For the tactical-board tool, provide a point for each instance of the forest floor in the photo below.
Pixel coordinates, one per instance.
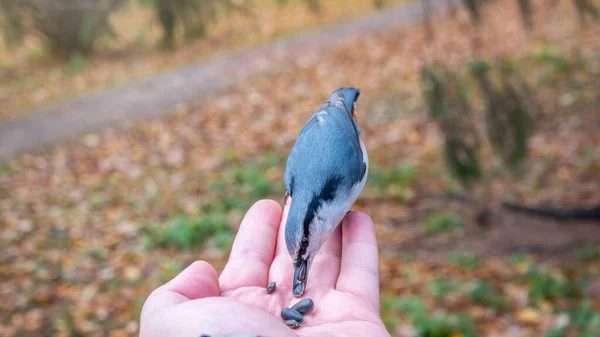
(90, 227)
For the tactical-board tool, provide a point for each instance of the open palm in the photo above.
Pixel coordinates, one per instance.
(343, 282)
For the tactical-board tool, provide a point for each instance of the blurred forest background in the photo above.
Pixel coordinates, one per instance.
(484, 108)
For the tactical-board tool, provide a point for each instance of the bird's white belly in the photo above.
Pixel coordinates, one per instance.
(361, 184)
(337, 208)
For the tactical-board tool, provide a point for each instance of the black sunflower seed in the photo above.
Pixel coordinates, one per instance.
(305, 306)
(292, 323)
(288, 314)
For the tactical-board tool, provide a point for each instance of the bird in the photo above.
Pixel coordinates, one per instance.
(325, 173)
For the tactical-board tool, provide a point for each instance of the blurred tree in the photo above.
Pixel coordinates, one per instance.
(379, 3)
(473, 7)
(462, 140)
(449, 107)
(68, 26)
(427, 24)
(526, 95)
(451, 8)
(508, 122)
(433, 88)
(585, 9)
(315, 5)
(166, 16)
(11, 23)
(510, 109)
(192, 16)
(526, 9)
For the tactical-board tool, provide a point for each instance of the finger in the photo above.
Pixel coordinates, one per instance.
(325, 269)
(254, 247)
(281, 245)
(199, 280)
(282, 270)
(359, 272)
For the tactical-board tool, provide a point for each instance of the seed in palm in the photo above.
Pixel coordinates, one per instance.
(291, 314)
(292, 323)
(305, 306)
(271, 287)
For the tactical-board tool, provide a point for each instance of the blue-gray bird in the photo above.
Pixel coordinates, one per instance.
(326, 171)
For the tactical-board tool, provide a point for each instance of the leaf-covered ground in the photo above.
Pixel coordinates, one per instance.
(30, 77)
(90, 227)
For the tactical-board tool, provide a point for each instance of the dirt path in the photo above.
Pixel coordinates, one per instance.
(157, 95)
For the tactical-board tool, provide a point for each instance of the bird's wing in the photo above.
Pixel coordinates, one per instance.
(328, 147)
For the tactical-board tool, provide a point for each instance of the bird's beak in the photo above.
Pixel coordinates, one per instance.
(300, 276)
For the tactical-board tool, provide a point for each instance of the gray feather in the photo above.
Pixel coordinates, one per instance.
(328, 146)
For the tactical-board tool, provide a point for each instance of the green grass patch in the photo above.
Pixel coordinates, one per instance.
(251, 181)
(6, 168)
(444, 325)
(464, 260)
(443, 221)
(587, 253)
(186, 232)
(75, 64)
(233, 189)
(547, 286)
(439, 287)
(427, 324)
(392, 305)
(588, 158)
(556, 332)
(141, 40)
(247, 181)
(484, 293)
(98, 252)
(518, 258)
(583, 319)
(549, 55)
(37, 54)
(385, 179)
(479, 292)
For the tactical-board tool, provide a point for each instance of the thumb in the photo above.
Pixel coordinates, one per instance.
(199, 280)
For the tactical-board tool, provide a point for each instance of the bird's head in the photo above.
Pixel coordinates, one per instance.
(345, 98)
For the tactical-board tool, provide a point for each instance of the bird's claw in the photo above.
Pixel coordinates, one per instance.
(300, 276)
(299, 288)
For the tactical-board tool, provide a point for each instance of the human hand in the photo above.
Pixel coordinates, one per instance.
(343, 282)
